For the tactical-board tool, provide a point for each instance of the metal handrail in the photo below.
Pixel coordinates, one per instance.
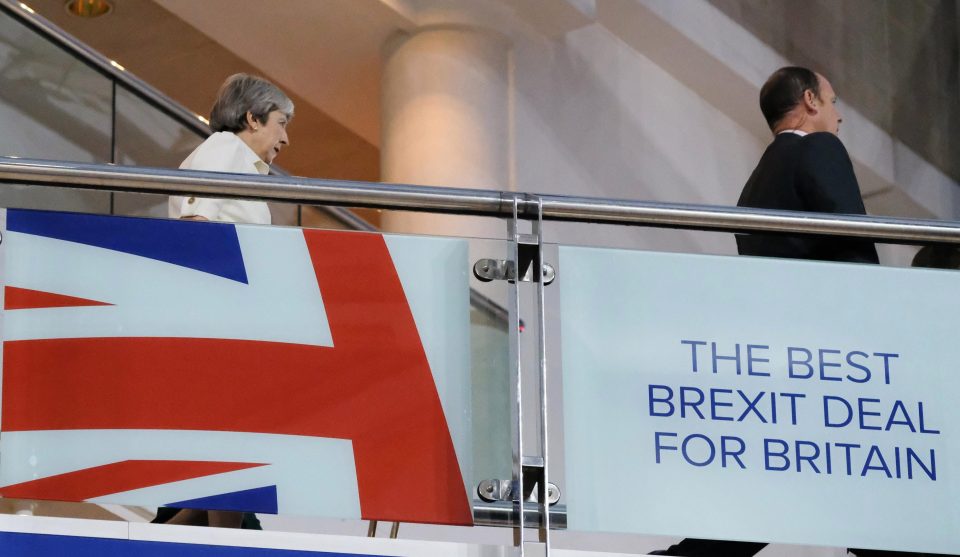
(490, 203)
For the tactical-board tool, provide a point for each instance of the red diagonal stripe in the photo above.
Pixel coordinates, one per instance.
(374, 388)
(116, 478)
(24, 298)
(400, 431)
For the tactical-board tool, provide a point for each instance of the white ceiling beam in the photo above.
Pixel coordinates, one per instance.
(554, 18)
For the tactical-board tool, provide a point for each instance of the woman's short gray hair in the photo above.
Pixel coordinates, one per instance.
(242, 93)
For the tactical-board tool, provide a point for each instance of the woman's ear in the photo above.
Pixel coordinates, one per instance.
(252, 121)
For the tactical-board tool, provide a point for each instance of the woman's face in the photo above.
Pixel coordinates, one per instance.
(266, 139)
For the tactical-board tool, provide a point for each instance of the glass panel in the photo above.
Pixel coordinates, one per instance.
(285, 214)
(148, 137)
(53, 199)
(266, 369)
(52, 105)
(316, 217)
(490, 370)
(760, 388)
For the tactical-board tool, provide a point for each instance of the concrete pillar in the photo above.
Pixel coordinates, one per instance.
(446, 122)
(445, 119)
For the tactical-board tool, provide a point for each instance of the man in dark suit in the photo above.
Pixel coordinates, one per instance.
(806, 168)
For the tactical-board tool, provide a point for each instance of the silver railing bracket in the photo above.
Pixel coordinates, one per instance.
(492, 491)
(486, 270)
(508, 491)
(528, 254)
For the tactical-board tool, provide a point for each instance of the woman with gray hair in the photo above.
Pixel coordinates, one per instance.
(249, 120)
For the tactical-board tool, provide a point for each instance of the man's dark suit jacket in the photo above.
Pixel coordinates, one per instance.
(809, 173)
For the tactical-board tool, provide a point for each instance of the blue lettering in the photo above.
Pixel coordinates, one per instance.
(886, 364)
(752, 406)
(863, 412)
(714, 404)
(846, 448)
(899, 407)
(725, 452)
(808, 458)
(825, 364)
(912, 457)
(826, 412)
(868, 465)
(751, 359)
(694, 405)
(804, 362)
(717, 357)
(923, 425)
(793, 405)
(863, 368)
(712, 451)
(658, 446)
(769, 452)
(693, 351)
(653, 400)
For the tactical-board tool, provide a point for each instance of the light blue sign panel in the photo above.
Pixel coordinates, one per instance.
(760, 399)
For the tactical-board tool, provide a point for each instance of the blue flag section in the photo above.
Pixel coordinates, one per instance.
(204, 246)
(260, 499)
(760, 399)
(41, 545)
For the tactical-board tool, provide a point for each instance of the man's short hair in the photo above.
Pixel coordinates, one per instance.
(784, 90)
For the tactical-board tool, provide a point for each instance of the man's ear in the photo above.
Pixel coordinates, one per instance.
(810, 100)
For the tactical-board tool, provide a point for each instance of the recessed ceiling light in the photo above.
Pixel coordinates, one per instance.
(88, 8)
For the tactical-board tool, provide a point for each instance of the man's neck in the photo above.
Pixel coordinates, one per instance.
(794, 126)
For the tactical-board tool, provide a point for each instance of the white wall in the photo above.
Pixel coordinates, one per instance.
(593, 117)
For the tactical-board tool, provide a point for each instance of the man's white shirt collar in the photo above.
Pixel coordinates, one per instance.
(801, 133)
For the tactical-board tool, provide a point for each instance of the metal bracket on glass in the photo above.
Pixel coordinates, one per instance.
(507, 490)
(492, 491)
(487, 270)
(528, 255)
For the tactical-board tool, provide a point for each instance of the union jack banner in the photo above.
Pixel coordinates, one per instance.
(234, 367)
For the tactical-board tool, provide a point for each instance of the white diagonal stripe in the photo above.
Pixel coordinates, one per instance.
(281, 303)
(314, 475)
